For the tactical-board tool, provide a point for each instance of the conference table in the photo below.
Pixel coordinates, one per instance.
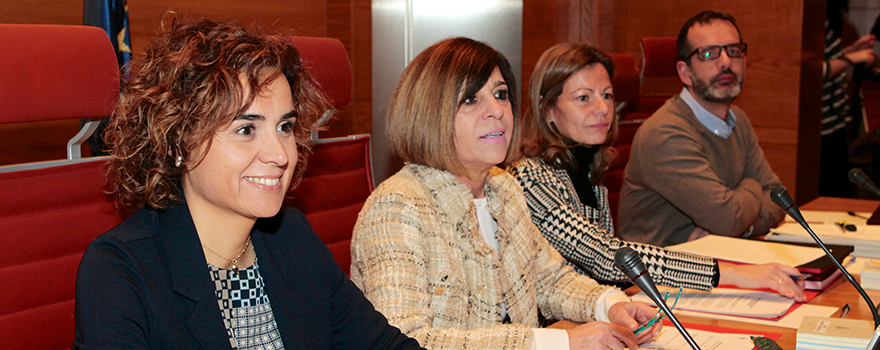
(836, 295)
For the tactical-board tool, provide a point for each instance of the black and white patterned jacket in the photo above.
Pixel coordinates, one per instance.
(585, 236)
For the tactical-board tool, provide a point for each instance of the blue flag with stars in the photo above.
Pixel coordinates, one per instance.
(112, 16)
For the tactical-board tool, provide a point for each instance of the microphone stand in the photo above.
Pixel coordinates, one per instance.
(662, 304)
(781, 197)
(628, 261)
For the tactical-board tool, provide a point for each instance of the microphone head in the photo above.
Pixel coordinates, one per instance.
(857, 176)
(627, 260)
(780, 196)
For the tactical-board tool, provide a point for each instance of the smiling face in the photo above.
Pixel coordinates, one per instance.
(249, 165)
(483, 126)
(719, 80)
(584, 110)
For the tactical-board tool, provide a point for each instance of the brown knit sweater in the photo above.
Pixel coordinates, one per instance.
(680, 175)
(418, 255)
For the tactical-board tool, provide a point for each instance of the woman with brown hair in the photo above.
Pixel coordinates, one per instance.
(445, 249)
(209, 136)
(569, 129)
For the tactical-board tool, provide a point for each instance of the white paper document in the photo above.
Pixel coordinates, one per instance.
(670, 339)
(827, 217)
(749, 251)
(865, 239)
(792, 320)
(726, 301)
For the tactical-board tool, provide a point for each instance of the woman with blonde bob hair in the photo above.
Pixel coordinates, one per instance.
(445, 249)
(569, 129)
(209, 136)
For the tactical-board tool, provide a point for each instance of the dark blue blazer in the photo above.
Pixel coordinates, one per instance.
(145, 284)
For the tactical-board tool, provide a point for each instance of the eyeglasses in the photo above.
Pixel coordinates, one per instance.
(712, 52)
(660, 315)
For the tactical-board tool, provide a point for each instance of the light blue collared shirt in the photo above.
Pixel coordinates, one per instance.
(717, 126)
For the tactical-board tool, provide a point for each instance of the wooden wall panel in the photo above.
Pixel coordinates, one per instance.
(783, 77)
(772, 90)
(300, 17)
(362, 64)
(774, 29)
(812, 54)
(41, 11)
(546, 23)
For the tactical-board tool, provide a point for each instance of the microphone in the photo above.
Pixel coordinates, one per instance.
(858, 177)
(627, 260)
(780, 196)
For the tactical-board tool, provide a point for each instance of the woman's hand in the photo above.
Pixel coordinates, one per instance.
(632, 315)
(774, 276)
(625, 318)
(601, 335)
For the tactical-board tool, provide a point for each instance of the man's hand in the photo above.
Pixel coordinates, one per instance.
(865, 42)
(697, 233)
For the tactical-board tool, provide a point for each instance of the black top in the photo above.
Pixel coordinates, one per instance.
(144, 285)
(580, 174)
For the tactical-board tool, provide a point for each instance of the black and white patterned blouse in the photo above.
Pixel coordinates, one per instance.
(246, 310)
(835, 99)
(585, 235)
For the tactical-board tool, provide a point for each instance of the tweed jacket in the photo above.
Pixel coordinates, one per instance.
(418, 255)
(585, 235)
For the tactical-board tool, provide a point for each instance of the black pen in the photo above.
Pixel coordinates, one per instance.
(856, 215)
(844, 311)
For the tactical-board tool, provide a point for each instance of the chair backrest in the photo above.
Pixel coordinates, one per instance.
(614, 175)
(339, 178)
(336, 184)
(328, 63)
(50, 213)
(625, 82)
(53, 72)
(659, 56)
(659, 76)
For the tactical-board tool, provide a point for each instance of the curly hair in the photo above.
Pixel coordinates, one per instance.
(542, 138)
(189, 83)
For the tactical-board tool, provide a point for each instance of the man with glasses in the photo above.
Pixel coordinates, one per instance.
(695, 167)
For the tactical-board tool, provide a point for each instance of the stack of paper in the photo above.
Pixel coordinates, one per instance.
(738, 302)
(819, 333)
(865, 239)
(749, 251)
(870, 276)
(811, 261)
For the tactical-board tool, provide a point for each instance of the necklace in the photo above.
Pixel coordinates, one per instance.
(233, 260)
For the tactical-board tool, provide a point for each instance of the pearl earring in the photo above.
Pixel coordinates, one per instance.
(178, 161)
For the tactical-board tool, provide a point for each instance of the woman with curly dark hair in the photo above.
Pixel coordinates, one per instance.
(210, 134)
